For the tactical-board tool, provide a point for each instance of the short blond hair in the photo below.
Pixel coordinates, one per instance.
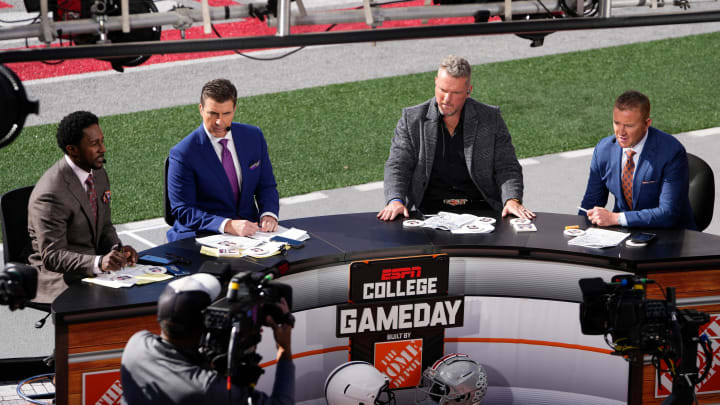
(456, 66)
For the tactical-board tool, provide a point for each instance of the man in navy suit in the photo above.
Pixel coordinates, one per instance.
(220, 179)
(644, 168)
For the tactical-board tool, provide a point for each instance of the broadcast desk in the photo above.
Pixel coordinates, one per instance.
(521, 292)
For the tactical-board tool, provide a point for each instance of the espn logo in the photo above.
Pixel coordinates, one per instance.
(401, 273)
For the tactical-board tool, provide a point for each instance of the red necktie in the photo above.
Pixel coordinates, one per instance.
(92, 195)
(627, 178)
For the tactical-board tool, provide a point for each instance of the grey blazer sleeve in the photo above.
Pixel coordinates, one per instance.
(399, 165)
(508, 172)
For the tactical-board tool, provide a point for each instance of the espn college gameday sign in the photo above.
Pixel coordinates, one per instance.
(396, 314)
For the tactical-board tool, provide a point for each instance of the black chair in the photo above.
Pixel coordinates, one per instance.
(14, 213)
(17, 247)
(702, 191)
(167, 210)
(16, 240)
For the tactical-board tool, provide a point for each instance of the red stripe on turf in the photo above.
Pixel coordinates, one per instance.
(246, 28)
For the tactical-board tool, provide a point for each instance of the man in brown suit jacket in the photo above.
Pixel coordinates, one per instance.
(69, 212)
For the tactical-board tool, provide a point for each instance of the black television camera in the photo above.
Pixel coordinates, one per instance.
(18, 284)
(233, 324)
(640, 326)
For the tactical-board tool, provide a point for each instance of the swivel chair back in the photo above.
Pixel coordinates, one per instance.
(167, 210)
(14, 213)
(17, 246)
(702, 191)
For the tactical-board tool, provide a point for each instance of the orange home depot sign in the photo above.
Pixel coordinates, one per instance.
(102, 387)
(400, 360)
(711, 383)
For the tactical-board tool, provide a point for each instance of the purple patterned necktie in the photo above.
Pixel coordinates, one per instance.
(627, 178)
(92, 195)
(229, 166)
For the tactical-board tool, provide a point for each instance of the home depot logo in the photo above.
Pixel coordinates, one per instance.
(400, 360)
(112, 395)
(711, 383)
(102, 387)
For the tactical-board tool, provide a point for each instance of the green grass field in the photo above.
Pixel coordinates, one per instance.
(339, 135)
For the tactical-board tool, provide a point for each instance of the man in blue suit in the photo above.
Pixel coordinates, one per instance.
(220, 179)
(644, 168)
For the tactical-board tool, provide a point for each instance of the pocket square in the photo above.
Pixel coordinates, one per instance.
(254, 165)
(649, 182)
(106, 196)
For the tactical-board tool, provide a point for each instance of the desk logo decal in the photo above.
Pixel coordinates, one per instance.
(396, 314)
(401, 273)
(401, 361)
(711, 383)
(101, 388)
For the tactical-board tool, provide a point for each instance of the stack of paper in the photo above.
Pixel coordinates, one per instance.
(129, 276)
(227, 241)
(259, 245)
(599, 238)
(447, 221)
(221, 252)
(292, 233)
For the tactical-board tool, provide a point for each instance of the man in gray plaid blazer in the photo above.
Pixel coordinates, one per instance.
(452, 153)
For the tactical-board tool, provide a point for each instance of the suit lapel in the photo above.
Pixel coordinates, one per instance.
(214, 165)
(78, 192)
(470, 129)
(241, 161)
(616, 170)
(101, 186)
(430, 131)
(648, 155)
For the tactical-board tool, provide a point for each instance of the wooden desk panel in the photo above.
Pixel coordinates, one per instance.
(101, 338)
(688, 283)
(107, 334)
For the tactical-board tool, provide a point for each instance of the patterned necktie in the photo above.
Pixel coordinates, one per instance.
(92, 195)
(627, 178)
(229, 166)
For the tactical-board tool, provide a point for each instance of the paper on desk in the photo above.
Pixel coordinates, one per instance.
(224, 252)
(599, 238)
(267, 249)
(449, 221)
(227, 241)
(292, 233)
(129, 276)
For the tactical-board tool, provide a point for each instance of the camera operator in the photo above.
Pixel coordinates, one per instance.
(168, 369)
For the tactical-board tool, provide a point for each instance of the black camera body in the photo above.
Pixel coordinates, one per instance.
(640, 326)
(233, 324)
(620, 308)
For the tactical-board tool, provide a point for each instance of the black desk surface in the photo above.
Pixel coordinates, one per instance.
(348, 237)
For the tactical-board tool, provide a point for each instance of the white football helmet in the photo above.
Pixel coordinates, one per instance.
(358, 383)
(455, 379)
